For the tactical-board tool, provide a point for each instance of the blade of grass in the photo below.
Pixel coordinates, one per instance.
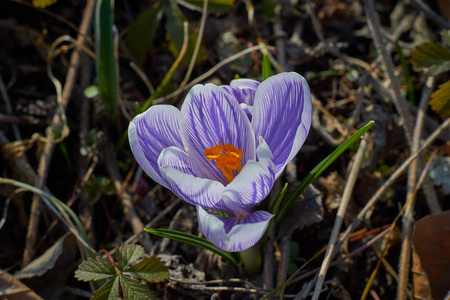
(60, 209)
(322, 166)
(266, 67)
(106, 61)
(192, 240)
(276, 203)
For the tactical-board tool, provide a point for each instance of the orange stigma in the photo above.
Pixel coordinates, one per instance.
(228, 158)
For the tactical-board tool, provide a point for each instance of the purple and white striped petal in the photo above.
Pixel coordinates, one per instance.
(182, 178)
(152, 131)
(243, 90)
(282, 115)
(233, 233)
(252, 185)
(210, 115)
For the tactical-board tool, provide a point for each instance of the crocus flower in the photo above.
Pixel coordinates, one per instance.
(224, 149)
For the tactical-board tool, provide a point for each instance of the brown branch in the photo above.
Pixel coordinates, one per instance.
(56, 123)
(125, 197)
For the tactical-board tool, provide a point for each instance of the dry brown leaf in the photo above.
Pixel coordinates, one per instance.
(13, 289)
(432, 244)
(420, 279)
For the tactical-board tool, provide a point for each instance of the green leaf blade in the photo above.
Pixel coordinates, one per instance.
(322, 166)
(134, 290)
(151, 269)
(276, 203)
(106, 61)
(192, 240)
(128, 254)
(433, 56)
(95, 269)
(142, 31)
(440, 100)
(266, 67)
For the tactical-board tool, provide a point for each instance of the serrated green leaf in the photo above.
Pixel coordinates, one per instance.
(266, 67)
(440, 100)
(134, 290)
(433, 56)
(214, 6)
(192, 240)
(175, 34)
(128, 254)
(95, 269)
(445, 34)
(151, 269)
(109, 291)
(142, 31)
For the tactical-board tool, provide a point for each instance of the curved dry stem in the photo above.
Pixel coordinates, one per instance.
(359, 218)
(207, 74)
(197, 44)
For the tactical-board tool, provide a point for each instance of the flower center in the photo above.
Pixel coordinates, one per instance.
(228, 158)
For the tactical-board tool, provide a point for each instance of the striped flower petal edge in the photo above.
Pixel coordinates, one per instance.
(224, 150)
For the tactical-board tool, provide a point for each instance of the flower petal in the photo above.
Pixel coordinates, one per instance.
(210, 115)
(282, 115)
(252, 184)
(233, 234)
(243, 90)
(152, 131)
(181, 177)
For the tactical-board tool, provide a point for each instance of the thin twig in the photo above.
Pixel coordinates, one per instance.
(340, 216)
(125, 197)
(408, 217)
(431, 14)
(432, 200)
(8, 107)
(399, 100)
(207, 74)
(382, 256)
(279, 38)
(143, 76)
(430, 123)
(56, 121)
(57, 207)
(359, 218)
(197, 44)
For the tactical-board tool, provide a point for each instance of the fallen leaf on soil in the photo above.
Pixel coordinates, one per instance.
(305, 212)
(431, 243)
(420, 279)
(44, 262)
(13, 289)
